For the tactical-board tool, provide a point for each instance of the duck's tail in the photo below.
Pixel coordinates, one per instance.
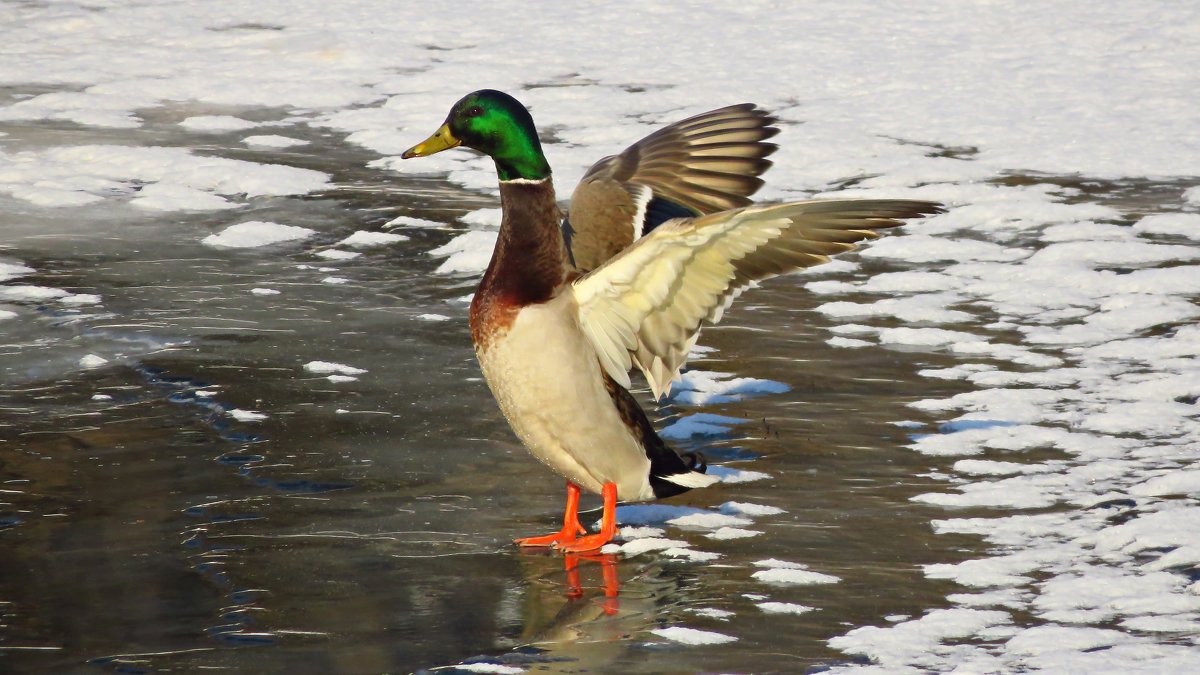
(665, 478)
(671, 472)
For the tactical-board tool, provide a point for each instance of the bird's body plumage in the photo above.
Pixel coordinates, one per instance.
(543, 370)
(543, 373)
(660, 238)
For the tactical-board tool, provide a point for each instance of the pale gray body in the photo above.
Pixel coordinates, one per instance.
(549, 384)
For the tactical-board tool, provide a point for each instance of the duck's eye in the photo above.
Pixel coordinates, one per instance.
(475, 112)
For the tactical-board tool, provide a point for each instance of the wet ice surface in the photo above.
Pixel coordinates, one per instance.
(242, 426)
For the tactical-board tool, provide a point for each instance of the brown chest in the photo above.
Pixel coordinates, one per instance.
(491, 316)
(529, 265)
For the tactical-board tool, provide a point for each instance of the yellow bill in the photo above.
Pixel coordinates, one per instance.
(441, 140)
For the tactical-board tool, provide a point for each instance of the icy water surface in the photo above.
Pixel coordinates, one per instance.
(972, 447)
(152, 521)
(265, 459)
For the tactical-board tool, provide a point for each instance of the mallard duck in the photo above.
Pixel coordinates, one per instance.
(658, 240)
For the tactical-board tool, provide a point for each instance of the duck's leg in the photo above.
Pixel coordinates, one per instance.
(608, 525)
(570, 529)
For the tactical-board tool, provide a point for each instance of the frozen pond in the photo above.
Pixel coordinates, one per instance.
(363, 525)
(242, 427)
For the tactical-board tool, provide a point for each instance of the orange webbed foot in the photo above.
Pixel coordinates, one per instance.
(570, 529)
(591, 542)
(608, 526)
(559, 538)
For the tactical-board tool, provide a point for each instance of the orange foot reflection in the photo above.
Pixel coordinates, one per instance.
(608, 567)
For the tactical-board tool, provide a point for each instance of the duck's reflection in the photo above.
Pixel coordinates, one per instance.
(578, 612)
(608, 569)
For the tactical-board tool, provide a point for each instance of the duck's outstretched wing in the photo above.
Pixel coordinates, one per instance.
(703, 164)
(645, 306)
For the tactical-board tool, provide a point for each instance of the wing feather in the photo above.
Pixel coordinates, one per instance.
(706, 163)
(645, 306)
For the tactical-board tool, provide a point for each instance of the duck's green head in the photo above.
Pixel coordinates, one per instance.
(495, 124)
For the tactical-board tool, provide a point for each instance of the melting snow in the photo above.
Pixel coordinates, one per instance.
(273, 141)
(700, 424)
(92, 361)
(692, 636)
(85, 174)
(409, 221)
(493, 668)
(365, 239)
(784, 608)
(331, 367)
(337, 254)
(247, 415)
(713, 613)
(699, 387)
(731, 475)
(25, 293)
(708, 521)
(781, 572)
(256, 233)
(466, 253)
(644, 545)
(732, 533)
(752, 510)
(216, 123)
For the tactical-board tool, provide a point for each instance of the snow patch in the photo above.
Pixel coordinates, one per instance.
(366, 239)
(732, 533)
(273, 141)
(793, 576)
(699, 387)
(468, 253)
(255, 233)
(216, 123)
(92, 361)
(747, 509)
(699, 424)
(692, 636)
(784, 608)
(323, 367)
(337, 254)
(493, 668)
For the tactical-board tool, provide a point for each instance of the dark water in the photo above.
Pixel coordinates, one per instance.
(363, 527)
